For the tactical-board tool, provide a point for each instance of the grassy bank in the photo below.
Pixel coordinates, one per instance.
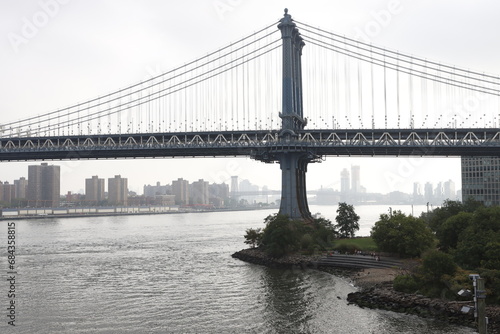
(363, 244)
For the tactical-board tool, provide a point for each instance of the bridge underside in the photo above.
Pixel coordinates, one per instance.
(293, 181)
(293, 186)
(261, 145)
(292, 153)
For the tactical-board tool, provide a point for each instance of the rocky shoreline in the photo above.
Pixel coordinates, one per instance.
(376, 290)
(257, 256)
(383, 296)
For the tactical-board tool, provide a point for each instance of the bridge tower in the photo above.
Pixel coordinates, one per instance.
(293, 159)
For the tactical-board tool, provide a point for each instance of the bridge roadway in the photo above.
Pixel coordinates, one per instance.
(263, 145)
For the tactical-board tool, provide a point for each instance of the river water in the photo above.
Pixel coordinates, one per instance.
(174, 274)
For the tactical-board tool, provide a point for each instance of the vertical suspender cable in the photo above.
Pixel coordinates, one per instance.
(347, 87)
(373, 89)
(360, 95)
(385, 93)
(398, 106)
(423, 96)
(410, 91)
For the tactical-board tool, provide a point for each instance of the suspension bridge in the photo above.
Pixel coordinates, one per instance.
(257, 98)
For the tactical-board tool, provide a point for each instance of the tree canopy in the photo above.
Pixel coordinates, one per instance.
(405, 235)
(283, 235)
(347, 220)
(449, 232)
(478, 237)
(253, 237)
(435, 264)
(438, 216)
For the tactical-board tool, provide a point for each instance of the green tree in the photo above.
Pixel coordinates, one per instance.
(253, 237)
(436, 264)
(492, 256)
(439, 215)
(406, 236)
(449, 232)
(471, 248)
(347, 220)
(473, 242)
(324, 233)
(471, 205)
(450, 208)
(282, 235)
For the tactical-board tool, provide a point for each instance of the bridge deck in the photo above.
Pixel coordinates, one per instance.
(260, 144)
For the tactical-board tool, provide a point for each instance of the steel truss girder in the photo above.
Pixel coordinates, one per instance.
(262, 145)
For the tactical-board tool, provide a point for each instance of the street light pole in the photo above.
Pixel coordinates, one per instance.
(479, 302)
(480, 298)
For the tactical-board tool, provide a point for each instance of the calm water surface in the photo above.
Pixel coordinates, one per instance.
(174, 274)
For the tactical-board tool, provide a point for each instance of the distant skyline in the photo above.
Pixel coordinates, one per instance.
(56, 53)
(394, 178)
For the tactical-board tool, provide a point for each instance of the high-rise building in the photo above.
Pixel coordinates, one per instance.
(180, 188)
(439, 193)
(118, 190)
(417, 193)
(428, 193)
(234, 184)
(247, 186)
(218, 193)
(355, 179)
(94, 190)
(481, 179)
(44, 185)
(20, 186)
(449, 190)
(8, 192)
(158, 189)
(344, 181)
(252, 191)
(199, 192)
(164, 200)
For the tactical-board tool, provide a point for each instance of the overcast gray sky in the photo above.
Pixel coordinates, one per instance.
(55, 53)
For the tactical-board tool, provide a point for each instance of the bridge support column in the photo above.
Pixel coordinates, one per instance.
(293, 186)
(293, 164)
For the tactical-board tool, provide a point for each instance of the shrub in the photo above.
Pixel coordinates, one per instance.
(406, 283)
(307, 243)
(492, 256)
(492, 283)
(460, 280)
(436, 264)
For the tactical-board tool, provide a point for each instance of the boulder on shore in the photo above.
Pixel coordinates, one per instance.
(383, 296)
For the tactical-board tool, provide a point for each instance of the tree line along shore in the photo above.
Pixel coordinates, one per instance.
(439, 250)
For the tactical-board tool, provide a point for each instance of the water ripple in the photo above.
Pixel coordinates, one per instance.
(174, 274)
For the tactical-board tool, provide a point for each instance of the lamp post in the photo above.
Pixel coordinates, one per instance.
(479, 303)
